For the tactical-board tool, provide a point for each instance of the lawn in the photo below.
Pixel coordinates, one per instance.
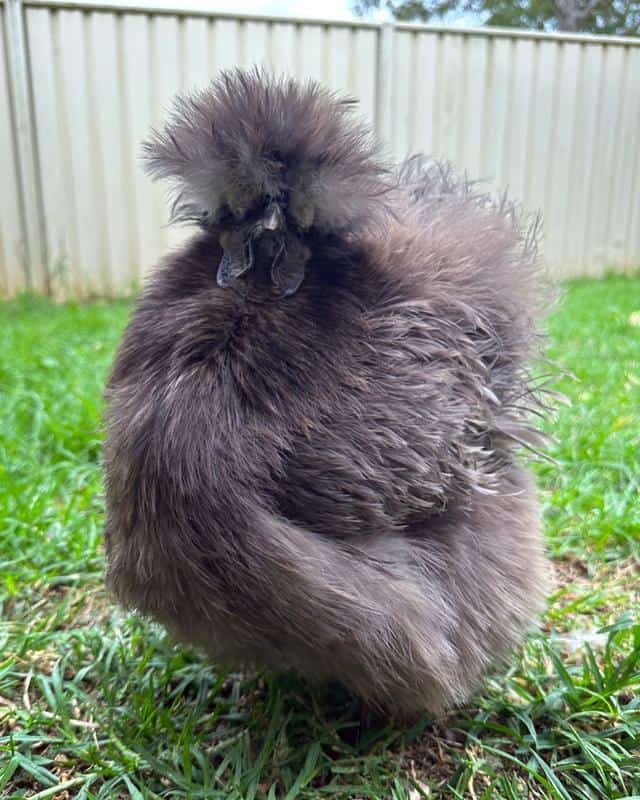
(98, 704)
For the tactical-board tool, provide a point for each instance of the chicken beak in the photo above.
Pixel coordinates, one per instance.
(273, 219)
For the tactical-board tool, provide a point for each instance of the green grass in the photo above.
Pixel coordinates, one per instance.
(97, 704)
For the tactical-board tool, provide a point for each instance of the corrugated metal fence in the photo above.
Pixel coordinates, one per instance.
(554, 118)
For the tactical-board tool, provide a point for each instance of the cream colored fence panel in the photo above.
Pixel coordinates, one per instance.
(556, 119)
(13, 256)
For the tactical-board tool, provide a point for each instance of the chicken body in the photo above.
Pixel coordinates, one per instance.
(323, 478)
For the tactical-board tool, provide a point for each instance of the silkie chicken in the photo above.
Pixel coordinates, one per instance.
(314, 415)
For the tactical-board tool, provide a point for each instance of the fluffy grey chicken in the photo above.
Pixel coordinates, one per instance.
(313, 412)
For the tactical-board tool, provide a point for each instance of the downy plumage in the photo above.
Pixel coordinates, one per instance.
(313, 413)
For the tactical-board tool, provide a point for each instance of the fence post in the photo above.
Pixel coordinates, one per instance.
(384, 99)
(32, 207)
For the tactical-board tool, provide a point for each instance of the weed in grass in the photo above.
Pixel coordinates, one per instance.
(97, 704)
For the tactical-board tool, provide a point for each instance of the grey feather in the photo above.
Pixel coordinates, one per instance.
(326, 479)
